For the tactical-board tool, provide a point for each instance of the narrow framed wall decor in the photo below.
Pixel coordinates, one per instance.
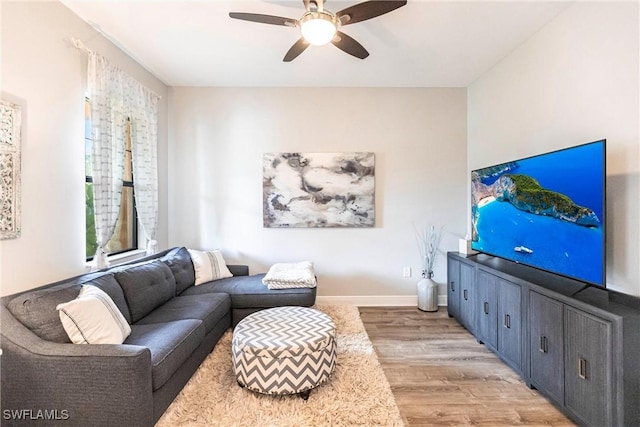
(317, 190)
(10, 123)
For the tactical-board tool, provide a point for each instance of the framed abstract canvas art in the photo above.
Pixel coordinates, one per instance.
(318, 190)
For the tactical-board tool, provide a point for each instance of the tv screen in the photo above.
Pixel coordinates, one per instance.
(545, 211)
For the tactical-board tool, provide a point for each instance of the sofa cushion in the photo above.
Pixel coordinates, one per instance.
(93, 318)
(179, 261)
(250, 292)
(146, 286)
(170, 344)
(209, 308)
(37, 309)
(209, 265)
(238, 270)
(111, 287)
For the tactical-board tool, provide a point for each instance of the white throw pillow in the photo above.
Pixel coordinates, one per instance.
(209, 266)
(93, 318)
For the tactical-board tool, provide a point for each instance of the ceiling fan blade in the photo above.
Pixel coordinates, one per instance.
(368, 10)
(349, 45)
(264, 19)
(297, 48)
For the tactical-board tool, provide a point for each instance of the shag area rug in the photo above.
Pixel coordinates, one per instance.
(357, 393)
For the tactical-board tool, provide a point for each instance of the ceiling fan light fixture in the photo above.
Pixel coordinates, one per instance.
(318, 28)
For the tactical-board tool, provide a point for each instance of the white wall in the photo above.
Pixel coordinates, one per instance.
(43, 73)
(217, 137)
(574, 82)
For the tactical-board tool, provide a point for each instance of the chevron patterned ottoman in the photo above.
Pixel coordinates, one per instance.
(284, 350)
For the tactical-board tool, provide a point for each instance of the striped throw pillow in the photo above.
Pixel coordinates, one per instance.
(208, 266)
(93, 318)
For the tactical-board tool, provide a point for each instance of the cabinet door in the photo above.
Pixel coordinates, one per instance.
(588, 370)
(467, 312)
(547, 345)
(453, 288)
(510, 322)
(487, 306)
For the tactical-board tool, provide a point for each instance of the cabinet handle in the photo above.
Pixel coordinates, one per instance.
(453, 286)
(582, 368)
(543, 344)
(507, 321)
(486, 307)
(465, 295)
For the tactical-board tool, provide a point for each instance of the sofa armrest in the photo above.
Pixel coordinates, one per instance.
(239, 270)
(74, 384)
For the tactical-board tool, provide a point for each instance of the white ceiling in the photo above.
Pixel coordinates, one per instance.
(426, 43)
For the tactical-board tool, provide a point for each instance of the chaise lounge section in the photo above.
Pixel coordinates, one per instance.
(174, 326)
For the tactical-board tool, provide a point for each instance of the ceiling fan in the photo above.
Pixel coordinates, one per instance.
(320, 26)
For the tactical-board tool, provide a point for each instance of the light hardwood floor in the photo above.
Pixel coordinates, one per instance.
(441, 376)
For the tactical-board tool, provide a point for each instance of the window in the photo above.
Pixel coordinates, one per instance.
(125, 236)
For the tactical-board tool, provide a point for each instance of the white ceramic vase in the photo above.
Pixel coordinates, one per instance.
(427, 295)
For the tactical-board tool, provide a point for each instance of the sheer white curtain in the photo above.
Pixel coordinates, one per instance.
(114, 96)
(144, 145)
(108, 115)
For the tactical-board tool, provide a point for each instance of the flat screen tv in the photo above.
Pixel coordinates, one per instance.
(545, 211)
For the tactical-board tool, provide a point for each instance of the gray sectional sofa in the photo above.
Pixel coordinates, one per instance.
(47, 380)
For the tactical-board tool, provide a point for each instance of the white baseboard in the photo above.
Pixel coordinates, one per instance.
(376, 300)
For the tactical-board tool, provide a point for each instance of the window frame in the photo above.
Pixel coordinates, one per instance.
(125, 184)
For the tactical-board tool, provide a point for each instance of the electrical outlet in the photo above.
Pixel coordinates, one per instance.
(406, 272)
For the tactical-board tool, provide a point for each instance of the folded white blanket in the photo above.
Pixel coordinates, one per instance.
(290, 275)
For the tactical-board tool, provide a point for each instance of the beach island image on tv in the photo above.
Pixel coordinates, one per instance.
(545, 211)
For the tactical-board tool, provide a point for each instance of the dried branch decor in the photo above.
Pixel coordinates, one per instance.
(428, 241)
